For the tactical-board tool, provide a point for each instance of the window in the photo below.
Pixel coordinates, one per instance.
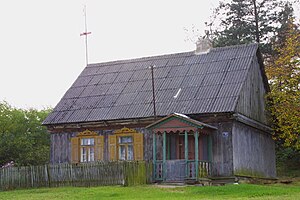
(125, 148)
(87, 149)
(126, 144)
(87, 146)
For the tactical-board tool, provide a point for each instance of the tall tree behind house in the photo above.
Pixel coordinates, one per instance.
(284, 75)
(245, 21)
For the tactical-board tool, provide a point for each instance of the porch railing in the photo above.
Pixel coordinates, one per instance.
(204, 170)
(158, 170)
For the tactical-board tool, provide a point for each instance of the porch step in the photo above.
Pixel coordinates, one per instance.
(215, 181)
(200, 182)
(222, 180)
(170, 184)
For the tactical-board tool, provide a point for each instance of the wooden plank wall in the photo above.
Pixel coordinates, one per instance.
(251, 102)
(60, 149)
(106, 133)
(148, 143)
(222, 159)
(253, 152)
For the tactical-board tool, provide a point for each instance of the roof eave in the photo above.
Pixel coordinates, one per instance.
(262, 69)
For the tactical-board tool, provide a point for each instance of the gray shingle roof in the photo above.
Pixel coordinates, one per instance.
(209, 83)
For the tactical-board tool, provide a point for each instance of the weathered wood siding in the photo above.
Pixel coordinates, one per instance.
(251, 102)
(60, 150)
(253, 152)
(222, 160)
(148, 143)
(236, 148)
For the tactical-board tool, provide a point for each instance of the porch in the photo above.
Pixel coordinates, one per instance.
(182, 149)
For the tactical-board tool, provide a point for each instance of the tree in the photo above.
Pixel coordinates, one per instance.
(23, 138)
(284, 100)
(283, 20)
(247, 21)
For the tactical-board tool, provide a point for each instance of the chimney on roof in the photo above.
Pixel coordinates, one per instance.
(203, 45)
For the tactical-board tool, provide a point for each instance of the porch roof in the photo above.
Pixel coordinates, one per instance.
(184, 122)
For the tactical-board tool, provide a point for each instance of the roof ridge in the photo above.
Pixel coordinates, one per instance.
(145, 58)
(180, 54)
(236, 46)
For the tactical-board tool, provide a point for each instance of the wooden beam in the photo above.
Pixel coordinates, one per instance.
(101, 124)
(196, 154)
(255, 124)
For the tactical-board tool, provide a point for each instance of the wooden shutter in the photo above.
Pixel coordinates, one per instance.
(112, 142)
(75, 149)
(138, 146)
(99, 147)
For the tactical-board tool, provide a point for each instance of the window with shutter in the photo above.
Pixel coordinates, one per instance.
(126, 144)
(87, 146)
(125, 148)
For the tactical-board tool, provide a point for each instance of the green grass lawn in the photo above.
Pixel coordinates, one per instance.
(242, 191)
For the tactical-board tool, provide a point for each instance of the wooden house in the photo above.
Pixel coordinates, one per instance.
(211, 115)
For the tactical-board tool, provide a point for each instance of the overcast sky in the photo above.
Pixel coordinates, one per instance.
(42, 53)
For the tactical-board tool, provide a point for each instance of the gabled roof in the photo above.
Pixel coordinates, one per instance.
(184, 83)
(187, 120)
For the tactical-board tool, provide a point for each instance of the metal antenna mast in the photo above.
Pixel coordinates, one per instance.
(85, 33)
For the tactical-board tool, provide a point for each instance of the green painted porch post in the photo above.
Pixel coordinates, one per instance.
(164, 154)
(186, 152)
(196, 154)
(154, 155)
